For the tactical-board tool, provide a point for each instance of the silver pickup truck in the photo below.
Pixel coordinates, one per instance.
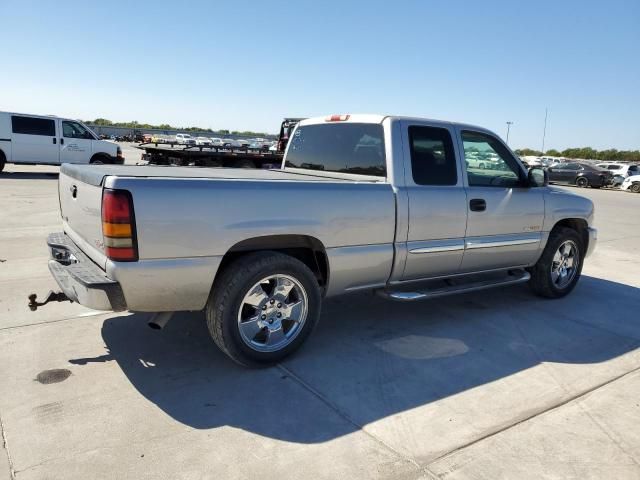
(362, 202)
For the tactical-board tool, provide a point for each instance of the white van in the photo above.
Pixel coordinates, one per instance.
(46, 140)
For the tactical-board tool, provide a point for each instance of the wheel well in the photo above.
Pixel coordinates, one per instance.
(102, 157)
(307, 249)
(580, 225)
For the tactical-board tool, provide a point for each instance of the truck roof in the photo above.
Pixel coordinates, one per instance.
(378, 118)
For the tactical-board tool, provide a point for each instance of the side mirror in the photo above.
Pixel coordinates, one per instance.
(538, 177)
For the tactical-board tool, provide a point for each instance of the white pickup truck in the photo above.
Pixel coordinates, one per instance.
(362, 202)
(37, 139)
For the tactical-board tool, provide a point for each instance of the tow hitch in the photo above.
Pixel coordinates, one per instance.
(51, 297)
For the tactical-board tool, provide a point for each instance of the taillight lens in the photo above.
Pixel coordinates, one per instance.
(118, 226)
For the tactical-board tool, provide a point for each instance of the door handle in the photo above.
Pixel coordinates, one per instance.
(477, 205)
(62, 141)
(54, 140)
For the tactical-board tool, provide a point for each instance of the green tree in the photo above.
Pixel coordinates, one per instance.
(526, 152)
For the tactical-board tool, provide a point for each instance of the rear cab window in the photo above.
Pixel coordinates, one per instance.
(433, 160)
(356, 148)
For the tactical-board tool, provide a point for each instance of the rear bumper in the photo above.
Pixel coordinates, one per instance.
(80, 279)
(593, 239)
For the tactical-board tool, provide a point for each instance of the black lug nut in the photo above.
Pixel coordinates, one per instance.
(278, 314)
(263, 317)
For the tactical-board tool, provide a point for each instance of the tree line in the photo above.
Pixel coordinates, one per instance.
(586, 153)
(103, 122)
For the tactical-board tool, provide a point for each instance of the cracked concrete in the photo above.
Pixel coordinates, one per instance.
(498, 384)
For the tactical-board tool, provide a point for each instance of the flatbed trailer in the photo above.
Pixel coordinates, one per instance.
(172, 153)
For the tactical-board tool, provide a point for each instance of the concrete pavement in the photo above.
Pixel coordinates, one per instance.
(497, 384)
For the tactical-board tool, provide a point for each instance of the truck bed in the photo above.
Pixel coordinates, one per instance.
(95, 174)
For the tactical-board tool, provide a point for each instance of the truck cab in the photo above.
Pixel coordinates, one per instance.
(38, 139)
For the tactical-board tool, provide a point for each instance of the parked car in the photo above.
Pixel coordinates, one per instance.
(616, 181)
(39, 139)
(185, 139)
(364, 202)
(579, 174)
(259, 144)
(217, 142)
(631, 184)
(623, 169)
(203, 141)
(230, 142)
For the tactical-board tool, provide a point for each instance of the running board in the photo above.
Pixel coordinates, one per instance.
(513, 278)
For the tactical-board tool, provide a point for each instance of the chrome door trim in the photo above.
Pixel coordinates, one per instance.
(436, 249)
(473, 244)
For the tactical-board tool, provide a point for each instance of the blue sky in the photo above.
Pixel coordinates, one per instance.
(245, 65)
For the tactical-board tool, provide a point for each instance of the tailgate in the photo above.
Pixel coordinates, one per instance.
(81, 209)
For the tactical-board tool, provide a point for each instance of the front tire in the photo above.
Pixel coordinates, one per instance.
(560, 265)
(635, 188)
(263, 307)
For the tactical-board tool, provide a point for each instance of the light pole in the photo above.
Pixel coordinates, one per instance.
(544, 132)
(508, 128)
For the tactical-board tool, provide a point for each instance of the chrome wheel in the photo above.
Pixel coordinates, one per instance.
(565, 264)
(272, 313)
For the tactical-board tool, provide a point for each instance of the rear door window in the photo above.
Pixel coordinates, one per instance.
(339, 147)
(33, 126)
(433, 161)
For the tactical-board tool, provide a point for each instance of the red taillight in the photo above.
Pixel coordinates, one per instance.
(338, 118)
(118, 226)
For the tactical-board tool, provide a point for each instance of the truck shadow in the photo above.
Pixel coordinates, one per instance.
(371, 358)
(29, 176)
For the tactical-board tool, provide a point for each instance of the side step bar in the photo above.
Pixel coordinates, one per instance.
(513, 278)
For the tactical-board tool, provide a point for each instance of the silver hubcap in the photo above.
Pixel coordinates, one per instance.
(565, 264)
(272, 313)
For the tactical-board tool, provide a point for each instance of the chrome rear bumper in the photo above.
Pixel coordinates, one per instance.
(80, 279)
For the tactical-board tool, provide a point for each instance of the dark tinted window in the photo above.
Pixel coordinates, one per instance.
(339, 147)
(432, 159)
(572, 166)
(33, 126)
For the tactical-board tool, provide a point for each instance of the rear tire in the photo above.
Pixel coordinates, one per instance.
(3, 161)
(251, 309)
(547, 279)
(635, 188)
(582, 182)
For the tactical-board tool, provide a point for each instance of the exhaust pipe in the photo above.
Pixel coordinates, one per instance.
(159, 320)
